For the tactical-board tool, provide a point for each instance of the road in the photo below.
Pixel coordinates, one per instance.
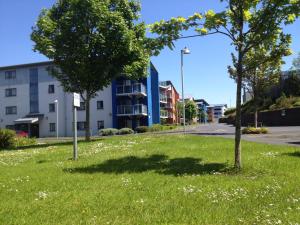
(277, 135)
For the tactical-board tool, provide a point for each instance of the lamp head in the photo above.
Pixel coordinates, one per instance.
(186, 51)
(56, 101)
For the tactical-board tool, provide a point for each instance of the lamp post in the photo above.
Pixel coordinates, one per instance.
(184, 51)
(56, 102)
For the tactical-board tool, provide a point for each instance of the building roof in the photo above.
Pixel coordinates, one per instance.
(45, 63)
(202, 101)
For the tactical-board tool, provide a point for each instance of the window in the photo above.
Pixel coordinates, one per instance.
(9, 75)
(81, 125)
(52, 107)
(10, 92)
(99, 104)
(52, 127)
(10, 110)
(51, 89)
(82, 106)
(100, 125)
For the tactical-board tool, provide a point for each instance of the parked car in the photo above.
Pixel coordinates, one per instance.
(21, 133)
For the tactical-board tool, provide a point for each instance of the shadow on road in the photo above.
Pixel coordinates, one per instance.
(294, 143)
(158, 163)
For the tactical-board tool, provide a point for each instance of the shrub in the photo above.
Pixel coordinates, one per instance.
(7, 139)
(230, 111)
(156, 128)
(142, 129)
(108, 132)
(25, 141)
(124, 131)
(253, 130)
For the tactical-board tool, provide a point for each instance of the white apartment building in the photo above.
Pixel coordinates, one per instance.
(27, 102)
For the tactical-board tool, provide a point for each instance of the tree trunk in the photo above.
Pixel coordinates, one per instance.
(238, 124)
(256, 117)
(87, 119)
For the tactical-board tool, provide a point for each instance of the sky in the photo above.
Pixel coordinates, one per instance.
(205, 70)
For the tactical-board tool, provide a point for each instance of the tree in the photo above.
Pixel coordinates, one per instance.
(296, 62)
(92, 42)
(191, 110)
(246, 23)
(263, 69)
(291, 85)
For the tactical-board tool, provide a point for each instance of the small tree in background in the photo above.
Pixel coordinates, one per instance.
(191, 111)
(263, 69)
(92, 42)
(246, 23)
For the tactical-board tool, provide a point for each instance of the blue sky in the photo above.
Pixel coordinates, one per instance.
(205, 69)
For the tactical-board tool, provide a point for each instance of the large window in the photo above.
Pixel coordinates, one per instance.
(51, 89)
(52, 107)
(100, 124)
(82, 106)
(100, 105)
(11, 110)
(9, 75)
(10, 92)
(52, 127)
(81, 125)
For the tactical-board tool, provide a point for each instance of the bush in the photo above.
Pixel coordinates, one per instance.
(124, 131)
(7, 139)
(156, 128)
(108, 132)
(230, 111)
(142, 129)
(24, 141)
(253, 130)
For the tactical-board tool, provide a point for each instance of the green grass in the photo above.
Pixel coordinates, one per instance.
(150, 179)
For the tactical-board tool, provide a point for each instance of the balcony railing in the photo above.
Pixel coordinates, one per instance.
(163, 98)
(169, 95)
(132, 110)
(169, 106)
(133, 89)
(164, 114)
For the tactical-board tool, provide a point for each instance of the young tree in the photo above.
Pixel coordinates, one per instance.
(263, 68)
(191, 110)
(92, 42)
(246, 23)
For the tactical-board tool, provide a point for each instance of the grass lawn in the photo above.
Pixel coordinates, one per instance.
(150, 179)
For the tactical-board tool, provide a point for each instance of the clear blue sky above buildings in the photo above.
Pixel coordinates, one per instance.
(205, 69)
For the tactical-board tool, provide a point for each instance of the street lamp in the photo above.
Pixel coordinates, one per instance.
(56, 102)
(184, 51)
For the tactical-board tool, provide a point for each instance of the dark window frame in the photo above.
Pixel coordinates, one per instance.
(100, 124)
(10, 75)
(100, 105)
(82, 106)
(51, 89)
(80, 127)
(10, 92)
(52, 108)
(52, 127)
(9, 111)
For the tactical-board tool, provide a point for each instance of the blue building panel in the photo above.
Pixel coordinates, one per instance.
(136, 103)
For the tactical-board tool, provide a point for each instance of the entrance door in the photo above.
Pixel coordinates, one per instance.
(129, 123)
(34, 130)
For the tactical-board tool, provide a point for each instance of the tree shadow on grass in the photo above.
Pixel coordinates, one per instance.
(294, 154)
(160, 164)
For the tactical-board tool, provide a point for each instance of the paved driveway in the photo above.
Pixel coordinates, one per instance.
(277, 135)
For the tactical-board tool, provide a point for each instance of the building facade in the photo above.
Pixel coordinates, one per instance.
(32, 100)
(168, 102)
(215, 112)
(203, 111)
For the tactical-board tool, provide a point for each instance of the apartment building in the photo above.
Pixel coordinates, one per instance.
(31, 99)
(202, 107)
(168, 100)
(215, 112)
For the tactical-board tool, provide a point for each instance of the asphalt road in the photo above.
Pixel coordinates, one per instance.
(276, 135)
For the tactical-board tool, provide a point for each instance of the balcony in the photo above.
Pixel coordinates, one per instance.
(133, 89)
(169, 95)
(169, 106)
(164, 114)
(163, 98)
(132, 110)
